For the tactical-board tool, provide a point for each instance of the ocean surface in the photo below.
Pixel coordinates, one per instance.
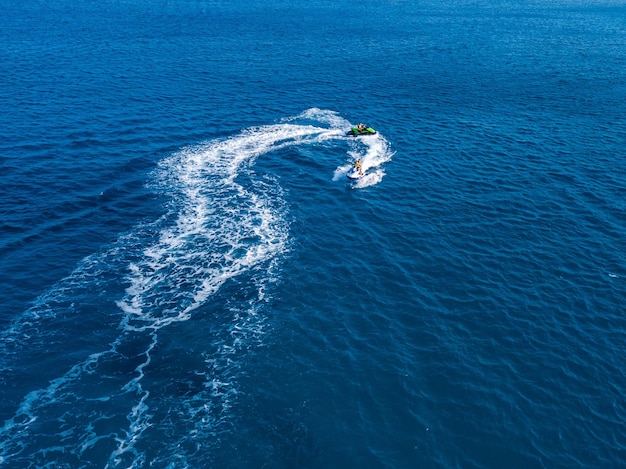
(189, 279)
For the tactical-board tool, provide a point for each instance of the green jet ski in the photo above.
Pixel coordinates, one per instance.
(361, 129)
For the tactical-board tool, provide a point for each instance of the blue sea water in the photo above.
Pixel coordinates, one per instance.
(189, 279)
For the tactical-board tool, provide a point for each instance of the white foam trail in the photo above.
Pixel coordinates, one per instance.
(216, 229)
(373, 151)
(331, 118)
(231, 229)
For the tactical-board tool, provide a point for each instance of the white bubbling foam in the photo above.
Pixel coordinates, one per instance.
(373, 151)
(331, 118)
(221, 229)
(216, 228)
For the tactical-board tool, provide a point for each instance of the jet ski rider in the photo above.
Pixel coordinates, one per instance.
(358, 166)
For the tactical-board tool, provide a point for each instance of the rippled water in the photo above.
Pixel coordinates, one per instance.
(191, 281)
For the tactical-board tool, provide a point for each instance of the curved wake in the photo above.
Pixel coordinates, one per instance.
(210, 257)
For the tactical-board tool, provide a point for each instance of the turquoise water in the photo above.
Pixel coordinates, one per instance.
(190, 280)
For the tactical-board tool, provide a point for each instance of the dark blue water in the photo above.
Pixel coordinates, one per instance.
(191, 281)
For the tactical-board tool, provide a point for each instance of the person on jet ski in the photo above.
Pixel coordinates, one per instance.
(361, 127)
(359, 167)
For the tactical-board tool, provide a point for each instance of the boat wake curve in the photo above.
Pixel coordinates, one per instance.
(116, 326)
